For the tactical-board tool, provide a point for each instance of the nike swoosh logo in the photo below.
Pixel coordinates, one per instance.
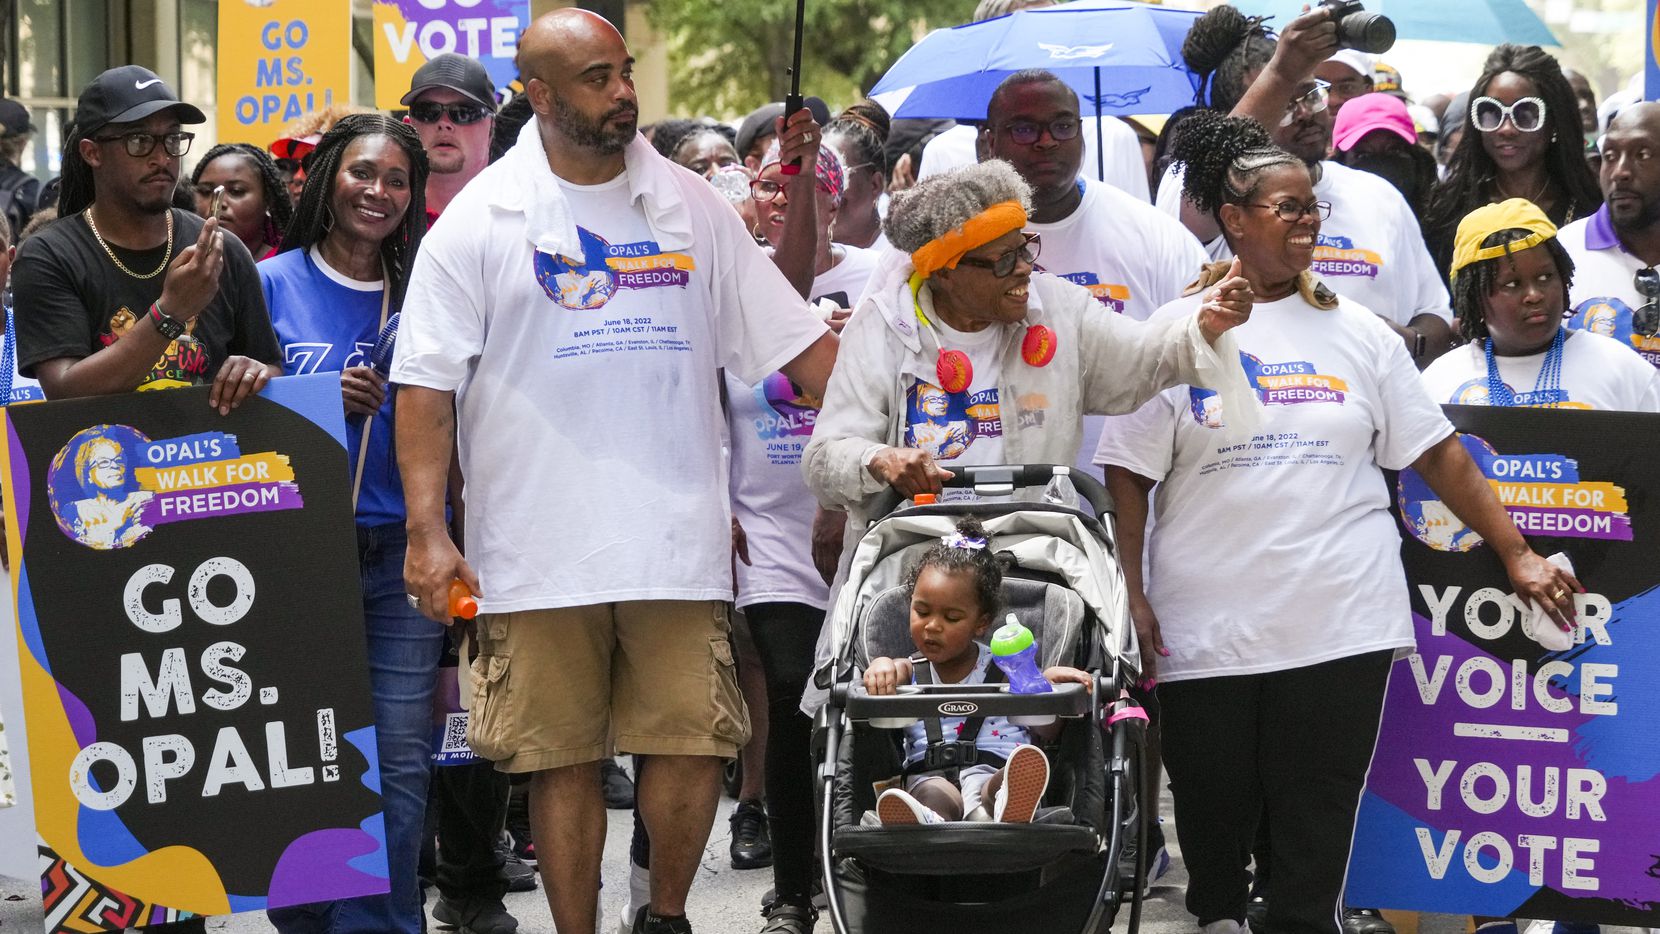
(141, 85)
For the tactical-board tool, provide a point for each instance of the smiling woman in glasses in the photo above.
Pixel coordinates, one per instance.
(1522, 140)
(1303, 506)
(961, 353)
(1511, 278)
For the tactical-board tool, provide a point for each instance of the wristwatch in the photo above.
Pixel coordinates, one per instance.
(169, 326)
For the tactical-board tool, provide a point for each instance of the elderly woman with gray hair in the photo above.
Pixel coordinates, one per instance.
(961, 353)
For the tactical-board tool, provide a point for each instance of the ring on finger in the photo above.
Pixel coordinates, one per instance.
(414, 601)
(1558, 594)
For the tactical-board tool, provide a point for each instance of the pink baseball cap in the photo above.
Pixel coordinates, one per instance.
(1369, 112)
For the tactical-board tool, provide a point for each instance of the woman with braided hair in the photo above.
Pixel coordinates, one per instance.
(1270, 705)
(339, 278)
(256, 209)
(1372, 248)
(1522, 140)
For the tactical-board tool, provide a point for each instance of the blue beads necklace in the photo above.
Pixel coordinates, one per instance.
(1547, 388)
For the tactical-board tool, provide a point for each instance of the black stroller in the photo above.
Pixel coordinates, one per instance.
(1066, 870)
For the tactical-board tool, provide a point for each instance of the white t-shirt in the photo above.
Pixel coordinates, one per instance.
(1597, 373)
(1604, 293)
(1280, 552)
(960, 427)
(1370, 250)
(588, 406)
(847, 278)
(769, 424)
(1126, 168)
(1130, 255)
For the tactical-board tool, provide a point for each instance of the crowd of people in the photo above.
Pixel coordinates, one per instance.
(720, 345)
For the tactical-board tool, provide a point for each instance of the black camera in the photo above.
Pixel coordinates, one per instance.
(1358, 29)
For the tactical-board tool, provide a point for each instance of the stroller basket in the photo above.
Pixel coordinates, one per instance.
(944, 849)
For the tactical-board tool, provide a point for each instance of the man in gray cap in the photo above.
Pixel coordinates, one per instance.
(124, 292)
(18, 189)
(452, 106)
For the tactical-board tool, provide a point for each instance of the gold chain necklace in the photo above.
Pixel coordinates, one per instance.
(117, 260)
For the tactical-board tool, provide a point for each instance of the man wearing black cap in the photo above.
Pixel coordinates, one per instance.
(19, 191)
(452, 106)
(122, 292)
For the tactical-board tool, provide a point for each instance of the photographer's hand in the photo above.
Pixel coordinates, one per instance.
(1305, 42)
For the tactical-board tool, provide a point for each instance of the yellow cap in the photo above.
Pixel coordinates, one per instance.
(1489, 219)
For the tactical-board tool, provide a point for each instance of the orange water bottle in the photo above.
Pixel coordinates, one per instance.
(462, 601)
(924, 499)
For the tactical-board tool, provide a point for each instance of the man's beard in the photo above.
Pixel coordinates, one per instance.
(447, 164)
(594, 134)
(1647, 216)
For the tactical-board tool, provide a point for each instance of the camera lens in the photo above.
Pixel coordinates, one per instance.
(1373, 33)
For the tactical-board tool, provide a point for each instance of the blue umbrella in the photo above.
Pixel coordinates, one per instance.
(1483, 22)
(1120, 57)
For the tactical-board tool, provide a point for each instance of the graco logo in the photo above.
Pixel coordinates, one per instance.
(958, 708)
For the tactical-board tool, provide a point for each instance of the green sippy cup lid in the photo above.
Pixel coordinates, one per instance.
(1011, 637)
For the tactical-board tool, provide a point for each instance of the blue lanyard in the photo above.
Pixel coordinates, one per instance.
(1547, 388)
(8, 358)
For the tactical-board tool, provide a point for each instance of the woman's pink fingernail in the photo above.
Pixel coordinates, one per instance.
(1164, 651)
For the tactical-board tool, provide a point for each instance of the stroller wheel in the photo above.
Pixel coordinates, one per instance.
(733, 779)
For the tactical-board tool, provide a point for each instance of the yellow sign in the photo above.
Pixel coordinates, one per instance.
(278, 60)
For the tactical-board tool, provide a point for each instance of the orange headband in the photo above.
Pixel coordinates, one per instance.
(944, 251)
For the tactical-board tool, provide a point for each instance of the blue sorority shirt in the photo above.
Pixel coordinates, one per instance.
(326, 322)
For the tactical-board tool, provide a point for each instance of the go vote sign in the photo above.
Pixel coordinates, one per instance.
(279, 60)
(409, 33)
(1511, 780)
(190, 631)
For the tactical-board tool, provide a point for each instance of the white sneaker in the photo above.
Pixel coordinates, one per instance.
(1025, 779)
(895, 806)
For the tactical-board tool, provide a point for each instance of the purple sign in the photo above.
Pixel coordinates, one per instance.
(1510, 780)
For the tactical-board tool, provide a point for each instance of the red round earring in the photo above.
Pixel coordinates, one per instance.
(955, 371)
(1038, 347)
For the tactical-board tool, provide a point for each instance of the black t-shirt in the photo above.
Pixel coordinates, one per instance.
(71, 301)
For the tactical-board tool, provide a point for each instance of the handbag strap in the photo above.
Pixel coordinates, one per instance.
(369, 422)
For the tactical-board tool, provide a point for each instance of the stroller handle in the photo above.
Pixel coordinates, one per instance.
(1003, 479)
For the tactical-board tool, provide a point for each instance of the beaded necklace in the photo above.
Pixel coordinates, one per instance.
(1547, 388)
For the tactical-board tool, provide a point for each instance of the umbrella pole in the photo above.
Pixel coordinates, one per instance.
(1100, 150)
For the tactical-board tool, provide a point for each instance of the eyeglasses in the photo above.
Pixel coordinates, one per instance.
(1307, 104)
(1291, 212)
(140, 145)
(1527, 114)
(1645, 321)
(1025, 132)
(1003, 266)
(1352, 87)
(765, 189)
(459, 114)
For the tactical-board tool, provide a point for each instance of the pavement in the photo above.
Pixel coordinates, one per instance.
(723, 901)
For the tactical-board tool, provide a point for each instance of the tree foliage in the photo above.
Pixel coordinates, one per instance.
(729, 56)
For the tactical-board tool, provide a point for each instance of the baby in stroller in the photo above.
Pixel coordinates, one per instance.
(954, 596)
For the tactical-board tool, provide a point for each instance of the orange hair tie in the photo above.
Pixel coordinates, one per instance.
(944, 251)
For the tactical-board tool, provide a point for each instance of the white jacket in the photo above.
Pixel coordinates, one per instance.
(1104, 364)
